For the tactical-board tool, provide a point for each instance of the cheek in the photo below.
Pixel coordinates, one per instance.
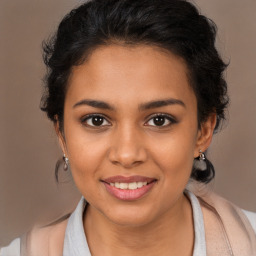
(84, 163)
(85, 155)
(175, 154)
(86, 152)
(176, 163)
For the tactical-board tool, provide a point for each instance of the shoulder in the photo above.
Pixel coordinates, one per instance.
(213, 202)
(251, 216)
(45, 240)
(13, 249)
(228, 209)
(40, 241)
(227, 225)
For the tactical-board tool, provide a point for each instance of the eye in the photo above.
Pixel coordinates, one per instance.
(95, 121)
(161, 120)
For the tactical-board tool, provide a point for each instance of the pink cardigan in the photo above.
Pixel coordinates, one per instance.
(227, 229)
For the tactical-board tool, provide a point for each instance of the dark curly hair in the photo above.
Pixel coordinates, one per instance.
(173, 25)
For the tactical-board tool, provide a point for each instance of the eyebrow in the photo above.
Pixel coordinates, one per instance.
(144, 106)
(161, 103)
(95, 104)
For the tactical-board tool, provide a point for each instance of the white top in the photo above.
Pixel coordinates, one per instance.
(75, 243)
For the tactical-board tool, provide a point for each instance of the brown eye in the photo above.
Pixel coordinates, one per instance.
(95, 121)
(161, 120)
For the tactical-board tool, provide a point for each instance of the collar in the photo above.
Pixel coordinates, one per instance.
(199, 231)
(75, 241)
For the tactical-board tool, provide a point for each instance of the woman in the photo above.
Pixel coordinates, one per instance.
(135, 90)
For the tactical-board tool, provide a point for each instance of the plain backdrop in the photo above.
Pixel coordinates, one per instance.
(29, 148)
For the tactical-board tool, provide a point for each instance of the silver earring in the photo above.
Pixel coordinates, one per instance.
(201, 155)
(200, 162)
(66, 163)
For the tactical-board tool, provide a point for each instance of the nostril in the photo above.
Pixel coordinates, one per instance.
(127, 156)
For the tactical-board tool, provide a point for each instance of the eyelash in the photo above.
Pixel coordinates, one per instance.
(86, 118)
(170, 119)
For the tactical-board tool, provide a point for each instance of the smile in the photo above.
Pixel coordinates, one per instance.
(132, 185)
(129, 188)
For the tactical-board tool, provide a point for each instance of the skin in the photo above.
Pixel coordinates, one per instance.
(130, 143)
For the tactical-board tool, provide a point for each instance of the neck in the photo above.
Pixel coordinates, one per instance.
(170, 234)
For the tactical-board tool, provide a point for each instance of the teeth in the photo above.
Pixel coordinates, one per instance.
(132, 185)
(140, 184)
(123, 185)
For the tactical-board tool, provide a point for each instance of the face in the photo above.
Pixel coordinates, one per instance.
(131, 132)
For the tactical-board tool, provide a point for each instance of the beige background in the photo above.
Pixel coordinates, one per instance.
(28, 147)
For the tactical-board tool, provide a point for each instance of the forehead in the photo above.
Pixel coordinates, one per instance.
(120, 73)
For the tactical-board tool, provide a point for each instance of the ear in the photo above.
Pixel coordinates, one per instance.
(60, 136)
(205, 133)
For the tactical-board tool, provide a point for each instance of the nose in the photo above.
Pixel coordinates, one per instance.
(127, 149)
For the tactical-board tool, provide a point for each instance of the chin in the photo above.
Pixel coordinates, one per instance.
(131, 216)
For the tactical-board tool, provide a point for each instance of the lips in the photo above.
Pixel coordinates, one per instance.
(129, 188)
(122, 179)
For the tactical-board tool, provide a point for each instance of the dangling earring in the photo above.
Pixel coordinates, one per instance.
(201, 155)
(66, 163)
(200, 162)
(203, 170)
